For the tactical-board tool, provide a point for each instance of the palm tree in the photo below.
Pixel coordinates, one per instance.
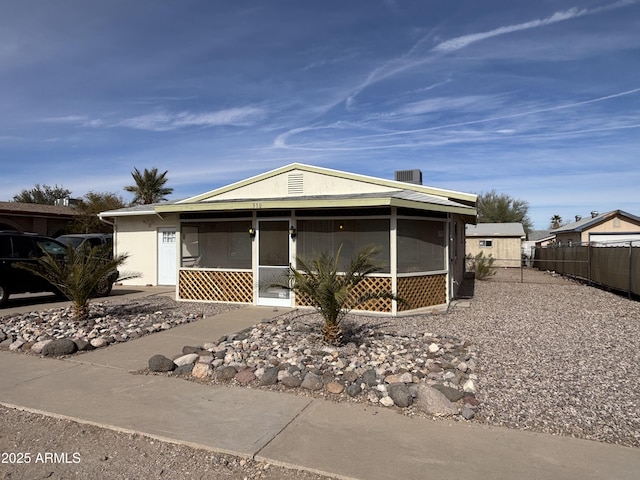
(556, 222)
(149, 187)
(80, 275)
(332, 293)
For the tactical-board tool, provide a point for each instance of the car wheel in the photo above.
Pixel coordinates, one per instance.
(104, 287)
(4, 294)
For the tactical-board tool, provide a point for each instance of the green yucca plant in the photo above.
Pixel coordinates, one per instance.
(332, 292)
(81, 275)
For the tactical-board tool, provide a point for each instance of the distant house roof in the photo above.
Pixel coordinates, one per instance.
(536, 235)
(495, 230)
(36, 209)
(586, 223)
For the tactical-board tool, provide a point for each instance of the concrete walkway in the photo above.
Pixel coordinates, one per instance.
(340, 440)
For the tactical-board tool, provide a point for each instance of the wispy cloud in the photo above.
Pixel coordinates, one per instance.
(164, 121)
(161, 121)
(416, 55)
(83, 120)
(233, 116)
(353, 136)
(463, 41)
(438, 104)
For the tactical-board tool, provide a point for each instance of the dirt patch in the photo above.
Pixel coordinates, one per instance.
(34, 446)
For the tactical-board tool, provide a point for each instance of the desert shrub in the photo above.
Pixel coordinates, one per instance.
(483, 266)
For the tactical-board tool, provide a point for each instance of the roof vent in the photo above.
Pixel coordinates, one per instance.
(578, 218)
(65, 202)
(295, 184)
(594, 214)
(409, 176)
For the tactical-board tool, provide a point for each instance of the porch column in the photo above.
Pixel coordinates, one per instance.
(393, 256)
(254, 258)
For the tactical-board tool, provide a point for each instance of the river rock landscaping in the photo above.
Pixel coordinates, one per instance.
(433, 374)
(55, 332)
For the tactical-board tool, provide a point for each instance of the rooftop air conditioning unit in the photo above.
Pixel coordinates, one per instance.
(409, 176)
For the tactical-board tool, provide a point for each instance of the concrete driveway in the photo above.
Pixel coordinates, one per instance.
(29, 302)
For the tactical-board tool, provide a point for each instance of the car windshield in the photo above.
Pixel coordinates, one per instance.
(71, 241)
(49, 246)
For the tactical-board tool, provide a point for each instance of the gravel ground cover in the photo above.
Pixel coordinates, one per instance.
(553, 356)
(35, 446)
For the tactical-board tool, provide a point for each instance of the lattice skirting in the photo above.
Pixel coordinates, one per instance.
(215, 286)
(370, 285)
(420, 292)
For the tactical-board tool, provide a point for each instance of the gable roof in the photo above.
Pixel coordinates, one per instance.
(366, 182)
(586, 223)
(299, 186)
(304, 186)
(495, 230)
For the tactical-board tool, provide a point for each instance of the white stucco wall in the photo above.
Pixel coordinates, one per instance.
(138, 237)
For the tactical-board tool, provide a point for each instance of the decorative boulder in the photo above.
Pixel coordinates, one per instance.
(59, 347)
(433, 402)
(186, 359)
(201, 370)
(160, 363)
(400, 394)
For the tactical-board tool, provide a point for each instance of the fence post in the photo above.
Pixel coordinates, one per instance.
(630, 267)
(589, 262)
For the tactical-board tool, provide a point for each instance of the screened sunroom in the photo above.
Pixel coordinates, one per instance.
(242, 257)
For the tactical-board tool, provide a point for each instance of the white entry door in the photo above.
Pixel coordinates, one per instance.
(167, 254)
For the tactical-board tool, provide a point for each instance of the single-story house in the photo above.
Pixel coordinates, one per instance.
(49, 220)
(535, 238)
(503, 241)
(234, 243)
(610, 228)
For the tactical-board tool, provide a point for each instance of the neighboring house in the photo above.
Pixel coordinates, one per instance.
(503, 241)
(540, 238)
(601, 229)
(49, 220)
(234, 243)
(535, 238)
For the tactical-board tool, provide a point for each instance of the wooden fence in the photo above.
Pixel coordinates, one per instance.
(615, 267)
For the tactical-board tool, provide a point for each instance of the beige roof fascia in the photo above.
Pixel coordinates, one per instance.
(310, 203)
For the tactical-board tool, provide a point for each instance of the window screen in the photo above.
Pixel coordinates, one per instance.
(224, 244)
(421, 246)
(326, 236)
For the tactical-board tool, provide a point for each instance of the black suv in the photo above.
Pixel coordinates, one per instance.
(16, 247)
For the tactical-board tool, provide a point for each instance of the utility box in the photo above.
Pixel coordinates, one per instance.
(409, 176)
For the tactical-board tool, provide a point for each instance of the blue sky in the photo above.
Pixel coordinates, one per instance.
(539, 100)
